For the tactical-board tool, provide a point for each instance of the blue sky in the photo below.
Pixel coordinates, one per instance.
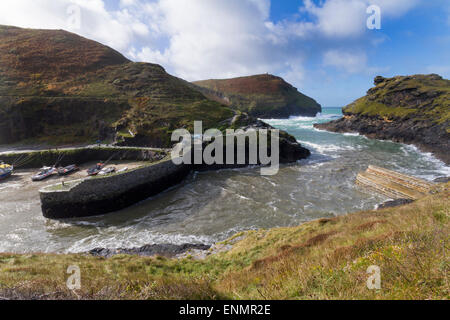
(322, 47)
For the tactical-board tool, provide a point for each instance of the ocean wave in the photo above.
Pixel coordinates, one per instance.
(328, 116)
(136, 240)
(301, 118)
(352, 134)
(324, 148)
(319, 116)
(440, 168)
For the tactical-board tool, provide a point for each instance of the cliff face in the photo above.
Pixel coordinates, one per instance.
(408, 109)
(57, 87)
(263, 96)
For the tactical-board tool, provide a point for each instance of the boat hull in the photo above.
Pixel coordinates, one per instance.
(4, 176)
(43, 176)
(5, 171)
(68, 170)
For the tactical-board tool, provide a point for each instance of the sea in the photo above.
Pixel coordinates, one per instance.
(212, 206)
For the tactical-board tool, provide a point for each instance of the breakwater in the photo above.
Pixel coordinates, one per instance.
(101, 195)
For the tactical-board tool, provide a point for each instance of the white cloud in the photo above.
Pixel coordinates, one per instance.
(116, 29)
(213, 38)
(347, 18)
(351, 62)
(341, 18)
(198, 39)
(394, 8)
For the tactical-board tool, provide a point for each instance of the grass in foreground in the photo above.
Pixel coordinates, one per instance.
(323, 259)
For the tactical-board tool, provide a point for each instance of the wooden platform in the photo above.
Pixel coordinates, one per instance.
(393, 184)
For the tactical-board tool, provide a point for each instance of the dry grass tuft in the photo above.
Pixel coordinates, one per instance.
(369, 225)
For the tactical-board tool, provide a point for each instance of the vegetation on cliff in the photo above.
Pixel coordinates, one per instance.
(323, 259)
(263, 96)
(57, 87)
(409, 109)
(419, 97)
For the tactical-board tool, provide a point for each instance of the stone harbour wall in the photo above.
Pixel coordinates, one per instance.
(101, 195)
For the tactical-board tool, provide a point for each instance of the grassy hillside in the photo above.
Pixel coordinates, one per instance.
(407, 109)
(421, 97)
(57, 87)
(323, 259)
(263, 96)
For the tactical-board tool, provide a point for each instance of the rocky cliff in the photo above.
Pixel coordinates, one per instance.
(407, 109)
(57, 87)
(262, 96)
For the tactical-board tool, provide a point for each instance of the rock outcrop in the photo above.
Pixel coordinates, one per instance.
(262, 96)
(442, 180)
(166, 250)
(407, 109)
(394, 203)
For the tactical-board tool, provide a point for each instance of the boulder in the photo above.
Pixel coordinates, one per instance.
(394, 203)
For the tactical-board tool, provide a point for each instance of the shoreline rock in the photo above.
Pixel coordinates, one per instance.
(410, 110)
(425, 135)
(167, 250)
(442, 180)
(394, 203)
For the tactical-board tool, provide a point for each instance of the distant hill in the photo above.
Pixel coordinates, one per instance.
(59, 88)
(410, 109)
(263, 96)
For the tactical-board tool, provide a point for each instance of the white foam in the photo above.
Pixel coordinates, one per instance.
(293, 119)
(441, 169)
(136, 240)
(352, 134)
(324, 148)
(302, 118)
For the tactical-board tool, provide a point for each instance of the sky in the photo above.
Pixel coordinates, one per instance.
(324, 48)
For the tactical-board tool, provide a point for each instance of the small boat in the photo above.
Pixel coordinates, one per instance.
(44, 173)
(6, 170)
(123, 170)
(95, 170)
(65, 171)
(106, 171)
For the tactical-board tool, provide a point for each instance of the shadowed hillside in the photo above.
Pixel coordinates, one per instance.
(57, 87)
(264, 96)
